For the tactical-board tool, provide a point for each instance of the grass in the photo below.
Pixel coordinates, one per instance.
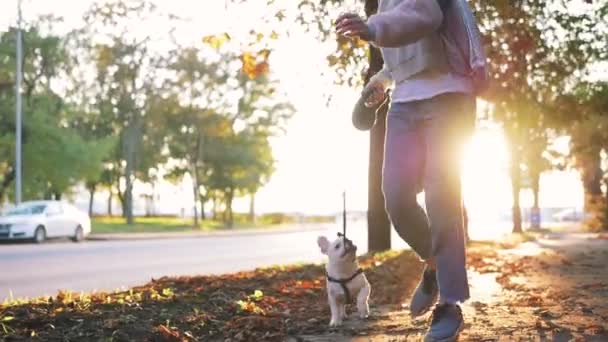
(106, 225)
(168, 224)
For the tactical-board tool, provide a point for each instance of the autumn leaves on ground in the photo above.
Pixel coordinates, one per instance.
(555, 288)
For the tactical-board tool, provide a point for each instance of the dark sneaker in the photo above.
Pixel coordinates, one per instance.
(426, 294)
(446, 324)
(364, 118)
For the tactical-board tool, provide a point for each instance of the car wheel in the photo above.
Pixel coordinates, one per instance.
(39, 235)
(78, 234)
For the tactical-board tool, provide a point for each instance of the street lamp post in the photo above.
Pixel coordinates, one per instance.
(18, 108)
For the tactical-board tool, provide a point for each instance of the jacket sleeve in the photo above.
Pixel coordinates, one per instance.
(406, 23)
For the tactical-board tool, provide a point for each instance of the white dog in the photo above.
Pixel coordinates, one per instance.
(345, 280)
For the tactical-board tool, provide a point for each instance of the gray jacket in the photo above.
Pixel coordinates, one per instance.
(417, 35)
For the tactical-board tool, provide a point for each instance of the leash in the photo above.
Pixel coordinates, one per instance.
(343, 282)
(344, 214)
(343, 234)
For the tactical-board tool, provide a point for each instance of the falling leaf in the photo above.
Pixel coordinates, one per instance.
(280, 15)
(216, 41)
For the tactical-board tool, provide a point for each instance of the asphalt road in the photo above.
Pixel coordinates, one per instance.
(28, 270)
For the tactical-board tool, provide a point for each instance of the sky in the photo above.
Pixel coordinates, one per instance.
(322, 154)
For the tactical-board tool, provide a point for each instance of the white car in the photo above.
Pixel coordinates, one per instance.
(569, 215)
(39, 220)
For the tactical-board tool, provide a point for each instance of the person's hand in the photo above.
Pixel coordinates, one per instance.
(352, 25)
(374, 94)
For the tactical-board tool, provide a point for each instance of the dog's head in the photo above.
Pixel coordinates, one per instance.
(340, 250)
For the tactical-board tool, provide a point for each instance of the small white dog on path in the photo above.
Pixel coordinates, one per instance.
(345, 280)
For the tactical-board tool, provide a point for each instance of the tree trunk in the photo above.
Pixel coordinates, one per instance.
(128, 196)
(6, 182)
(378, 223)
(110, 195)
(202, 200)
(252, 207)
(229, 214)
(605, 218)
(47, 195)
(535, 213)
(214, 200)
(121, 199)
(133, 133)
(195, 193)
(592, 178)
(91, 198)
(591, 172)
(516, 187)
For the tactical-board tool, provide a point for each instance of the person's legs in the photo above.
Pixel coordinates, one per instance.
(445, 135)
(402, 180)
(404, 154)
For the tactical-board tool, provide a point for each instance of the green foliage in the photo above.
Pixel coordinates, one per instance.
(537, 51)
(54, 157)
(224, 107)
(589, 137)
(123, 111)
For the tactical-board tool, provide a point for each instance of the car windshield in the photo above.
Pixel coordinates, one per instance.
(28, 209)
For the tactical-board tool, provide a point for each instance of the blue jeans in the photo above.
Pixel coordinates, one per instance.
(423, 148)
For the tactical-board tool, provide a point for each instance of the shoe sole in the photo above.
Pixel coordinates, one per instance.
(452, 338)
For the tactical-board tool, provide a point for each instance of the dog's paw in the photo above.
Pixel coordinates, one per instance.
(364, 315)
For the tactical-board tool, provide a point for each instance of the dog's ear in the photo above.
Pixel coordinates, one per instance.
(323, 244)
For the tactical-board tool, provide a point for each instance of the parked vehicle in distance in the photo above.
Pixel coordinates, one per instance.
(41, 220)
(569, 215)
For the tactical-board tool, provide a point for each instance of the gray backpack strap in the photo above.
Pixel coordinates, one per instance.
(462, 40)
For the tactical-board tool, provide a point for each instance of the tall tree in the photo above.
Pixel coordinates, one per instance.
(589, 138)
(535, 48)
(123, 85)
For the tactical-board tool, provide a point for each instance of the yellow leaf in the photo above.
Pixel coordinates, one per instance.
(265, 53)
(216, 41)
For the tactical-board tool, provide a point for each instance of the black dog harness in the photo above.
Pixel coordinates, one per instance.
(343, 283)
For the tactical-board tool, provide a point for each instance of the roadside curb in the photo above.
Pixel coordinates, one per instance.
(195, 234)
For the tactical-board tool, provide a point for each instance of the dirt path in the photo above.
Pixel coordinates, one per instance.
(555, 289)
